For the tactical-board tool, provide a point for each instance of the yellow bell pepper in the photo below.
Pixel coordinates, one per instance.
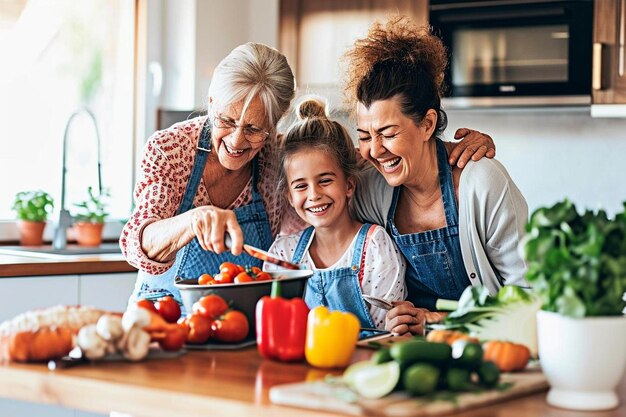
(330, 337)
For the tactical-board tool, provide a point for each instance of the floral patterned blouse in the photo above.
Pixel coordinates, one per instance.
(164, 171)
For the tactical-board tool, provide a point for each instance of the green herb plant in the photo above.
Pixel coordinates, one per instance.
(92, 210)
(577, 263)
(34, 206)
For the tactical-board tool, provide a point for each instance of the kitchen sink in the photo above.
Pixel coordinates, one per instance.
(47, 251)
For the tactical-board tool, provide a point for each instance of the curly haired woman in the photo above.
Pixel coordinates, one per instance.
(455, 226)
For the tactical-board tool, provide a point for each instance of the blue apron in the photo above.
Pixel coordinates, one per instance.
(192, 260)
(337, 289)
(435, 266)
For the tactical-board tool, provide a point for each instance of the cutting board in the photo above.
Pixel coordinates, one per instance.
(333, 397)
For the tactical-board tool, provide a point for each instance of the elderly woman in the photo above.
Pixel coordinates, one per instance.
(456, 227)
(218, 173)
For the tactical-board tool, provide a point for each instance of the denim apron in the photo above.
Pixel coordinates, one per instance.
(192, 260)
(337, 289)
(435, 266)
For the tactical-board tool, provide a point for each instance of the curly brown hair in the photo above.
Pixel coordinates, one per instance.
(399, 58)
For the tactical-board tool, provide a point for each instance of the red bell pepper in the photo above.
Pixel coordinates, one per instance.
(281, 326)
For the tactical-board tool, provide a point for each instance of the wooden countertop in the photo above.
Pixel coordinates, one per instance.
(216, 383)
(20, 266)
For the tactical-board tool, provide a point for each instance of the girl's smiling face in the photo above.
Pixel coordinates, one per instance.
(317, 187)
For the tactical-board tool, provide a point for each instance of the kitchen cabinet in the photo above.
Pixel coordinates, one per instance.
(314, 35)
(105, 291)
(609, 56)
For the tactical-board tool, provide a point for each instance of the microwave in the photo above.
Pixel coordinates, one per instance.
(516, 52)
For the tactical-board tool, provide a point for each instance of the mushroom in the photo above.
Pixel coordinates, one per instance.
(134, 344)
(109, 327)
(90, 343)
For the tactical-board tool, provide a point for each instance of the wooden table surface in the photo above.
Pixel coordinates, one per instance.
(215, 383)
(20, 266)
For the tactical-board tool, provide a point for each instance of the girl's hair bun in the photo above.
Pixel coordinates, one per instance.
(311, 107)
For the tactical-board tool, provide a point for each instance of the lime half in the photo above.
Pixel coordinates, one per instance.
(351, 371)
(376, 381)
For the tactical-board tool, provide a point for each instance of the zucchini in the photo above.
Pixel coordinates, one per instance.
(413, 351)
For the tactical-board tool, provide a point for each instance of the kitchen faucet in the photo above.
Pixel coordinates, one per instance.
(65, 218)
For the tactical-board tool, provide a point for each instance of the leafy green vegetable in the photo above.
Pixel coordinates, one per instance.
(509, 315)
(577, 263)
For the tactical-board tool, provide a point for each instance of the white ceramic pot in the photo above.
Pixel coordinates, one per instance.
(583, 359)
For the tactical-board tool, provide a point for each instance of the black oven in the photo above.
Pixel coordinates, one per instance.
(516, 51)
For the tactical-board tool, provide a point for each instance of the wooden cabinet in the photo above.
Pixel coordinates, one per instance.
(609, 55)
(314, 35)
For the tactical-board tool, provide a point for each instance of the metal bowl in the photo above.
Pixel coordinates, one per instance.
(244, 296)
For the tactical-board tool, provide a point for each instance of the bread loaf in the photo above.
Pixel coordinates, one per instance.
(40, 335)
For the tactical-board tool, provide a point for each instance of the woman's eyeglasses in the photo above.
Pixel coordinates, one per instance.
(253, 134)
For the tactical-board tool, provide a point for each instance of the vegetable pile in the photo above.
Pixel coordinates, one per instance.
(577, 263)
(421, 367)
(508, 316)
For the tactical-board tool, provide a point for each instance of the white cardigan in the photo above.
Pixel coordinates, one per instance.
(492, 218)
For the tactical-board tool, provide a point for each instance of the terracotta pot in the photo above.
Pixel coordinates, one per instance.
(88, 234)
(31, 233)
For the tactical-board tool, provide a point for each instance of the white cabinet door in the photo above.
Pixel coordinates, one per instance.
(27, 293)
(107, 291)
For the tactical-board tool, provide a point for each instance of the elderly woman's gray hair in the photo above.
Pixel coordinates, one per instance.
(250, 70)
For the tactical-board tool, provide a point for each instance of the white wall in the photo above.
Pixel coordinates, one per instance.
(550, 153)
(553, 154)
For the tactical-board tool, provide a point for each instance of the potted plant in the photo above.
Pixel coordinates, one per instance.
(32, 209)
(89, 218)
(577, 264)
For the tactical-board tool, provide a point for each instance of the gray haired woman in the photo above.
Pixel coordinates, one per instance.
(203, 177)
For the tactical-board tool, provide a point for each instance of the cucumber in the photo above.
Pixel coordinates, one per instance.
(488, 374)
(413, 351)
(466, 354)
(382, 355)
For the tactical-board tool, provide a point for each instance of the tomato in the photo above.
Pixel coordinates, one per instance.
(223, 278)
(229, 269)
(168, 308)
(147, 304)
(174, 338)
(231, 327)
(184, 323)
(255, 270)
(211, 306)
(263, 276)
(241, 269)
(205, 279)
(243, 277)
(199, 329)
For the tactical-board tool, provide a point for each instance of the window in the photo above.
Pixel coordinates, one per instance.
(59, 57)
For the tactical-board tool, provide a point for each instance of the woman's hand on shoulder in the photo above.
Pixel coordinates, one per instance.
(474, 145)
(209, 224)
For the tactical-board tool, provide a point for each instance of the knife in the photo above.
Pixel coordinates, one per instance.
(261, 254)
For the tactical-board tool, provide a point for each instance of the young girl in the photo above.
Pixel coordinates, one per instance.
(319, 176)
